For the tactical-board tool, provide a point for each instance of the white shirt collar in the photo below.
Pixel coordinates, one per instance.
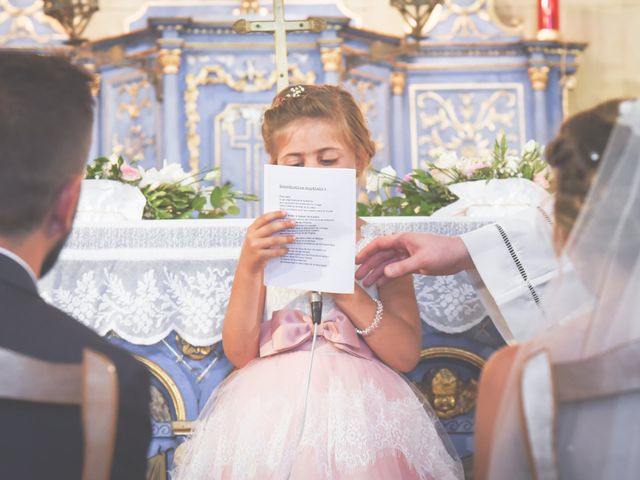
(19, 261)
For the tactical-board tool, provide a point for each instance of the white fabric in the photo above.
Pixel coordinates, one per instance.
(599, 437)
(538, 407)
(19, 261)
(108, 201)
(360, 411)
(514, 262)
(145, 279)
(494, 198)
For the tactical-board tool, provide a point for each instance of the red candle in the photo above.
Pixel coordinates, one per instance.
(548, 15)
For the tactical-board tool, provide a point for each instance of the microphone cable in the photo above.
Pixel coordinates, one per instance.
(315, 299)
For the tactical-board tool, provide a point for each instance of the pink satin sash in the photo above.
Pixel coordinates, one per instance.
(289, 329)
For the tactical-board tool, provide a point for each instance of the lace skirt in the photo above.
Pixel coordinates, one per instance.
(363, 421)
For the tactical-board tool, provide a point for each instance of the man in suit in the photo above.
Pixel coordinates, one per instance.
(46, 114)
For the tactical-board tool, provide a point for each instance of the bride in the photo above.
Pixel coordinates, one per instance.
(565, 404)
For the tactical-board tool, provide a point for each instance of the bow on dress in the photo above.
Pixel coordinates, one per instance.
(289, 329)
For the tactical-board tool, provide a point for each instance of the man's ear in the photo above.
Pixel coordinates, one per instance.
(64, 207)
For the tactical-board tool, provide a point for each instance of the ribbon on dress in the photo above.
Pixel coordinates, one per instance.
(289, 329)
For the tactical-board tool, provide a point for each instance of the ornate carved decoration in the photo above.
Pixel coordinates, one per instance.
(191, 351)
(248, 7)
(134, 143)
(159, 409)
(539, 77)
(464, 118)
(469, 18)
(238, 126)
(248, 81)
(569, 83)
(136, 104)
(448, 394)
(167, 382)
(134, 101)
(331, 59)
(22, 21)
(169, 60)
(361, 90)
(95, 84)
(398, 82)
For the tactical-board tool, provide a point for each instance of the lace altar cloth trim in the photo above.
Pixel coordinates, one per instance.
(143, 280)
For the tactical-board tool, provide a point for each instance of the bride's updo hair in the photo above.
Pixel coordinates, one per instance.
(575, 154)
(326, 102)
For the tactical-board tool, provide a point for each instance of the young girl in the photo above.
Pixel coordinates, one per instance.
(362, 419)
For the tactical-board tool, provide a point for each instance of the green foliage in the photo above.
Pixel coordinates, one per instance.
(423, 191)
(105, 168)
(183, 199)
(417, 194)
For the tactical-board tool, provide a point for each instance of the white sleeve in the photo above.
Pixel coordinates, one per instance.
(514, 260)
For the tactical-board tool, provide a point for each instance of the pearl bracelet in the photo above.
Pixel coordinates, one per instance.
(376, 320)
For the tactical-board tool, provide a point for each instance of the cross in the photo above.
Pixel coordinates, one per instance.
(279, 27)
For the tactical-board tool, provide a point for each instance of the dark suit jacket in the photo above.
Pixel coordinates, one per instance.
(45, 442)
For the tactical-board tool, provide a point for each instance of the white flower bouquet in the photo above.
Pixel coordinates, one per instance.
(442, 182)
(170, 192)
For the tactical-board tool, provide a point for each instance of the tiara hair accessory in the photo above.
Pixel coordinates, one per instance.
(295, 91)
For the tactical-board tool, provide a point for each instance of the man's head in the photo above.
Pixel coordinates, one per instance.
(46, 113)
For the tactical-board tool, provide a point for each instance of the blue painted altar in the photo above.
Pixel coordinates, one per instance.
(181, 86)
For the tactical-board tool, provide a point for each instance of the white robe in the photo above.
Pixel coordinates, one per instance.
(515, 261)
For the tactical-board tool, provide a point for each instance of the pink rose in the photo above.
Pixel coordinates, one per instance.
(541, 180)
(469, 169)
(129, 173)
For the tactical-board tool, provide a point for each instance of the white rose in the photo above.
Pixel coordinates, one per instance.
(173, 173)
(213, 174)
(447, 160)
(373, 182)
(150, 178)
(387, 172)
(513, 163)
(441, 176)
(530, 147)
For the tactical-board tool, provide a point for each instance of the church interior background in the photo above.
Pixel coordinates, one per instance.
(175, 83)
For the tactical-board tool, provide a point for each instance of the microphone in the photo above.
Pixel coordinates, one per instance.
(315, 298)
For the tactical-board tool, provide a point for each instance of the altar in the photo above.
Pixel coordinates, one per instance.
(183, 86)
(159, 289)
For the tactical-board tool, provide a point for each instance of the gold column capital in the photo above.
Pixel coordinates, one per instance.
(331, 59)
(96, 82)
(398, 82)
(539, 76)
(169, 60)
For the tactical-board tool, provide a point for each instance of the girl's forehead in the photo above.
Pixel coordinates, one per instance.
(309, 132)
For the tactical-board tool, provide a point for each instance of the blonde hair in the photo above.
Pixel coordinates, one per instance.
(327, 102)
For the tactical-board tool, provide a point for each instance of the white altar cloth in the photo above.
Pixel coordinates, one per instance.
(143, 280)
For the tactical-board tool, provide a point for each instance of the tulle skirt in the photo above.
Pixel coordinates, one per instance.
(362, 421)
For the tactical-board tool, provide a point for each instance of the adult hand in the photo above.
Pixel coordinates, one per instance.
(261, 242)
(396, 255)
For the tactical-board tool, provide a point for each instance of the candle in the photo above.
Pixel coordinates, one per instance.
(548, 20)
(548, 15)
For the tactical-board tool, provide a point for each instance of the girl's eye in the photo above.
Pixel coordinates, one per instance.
(328, 161)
